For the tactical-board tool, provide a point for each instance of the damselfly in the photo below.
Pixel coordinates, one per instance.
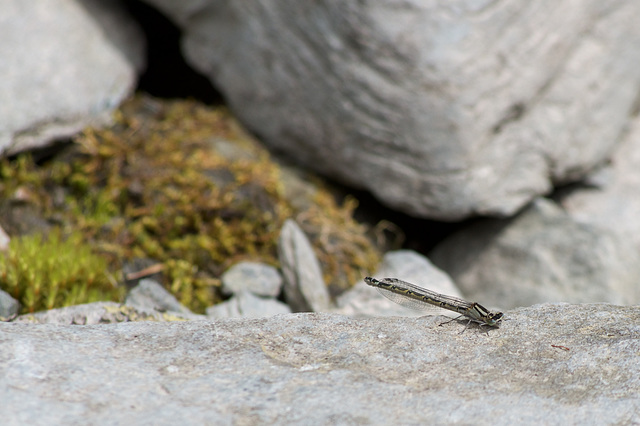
(395, 290)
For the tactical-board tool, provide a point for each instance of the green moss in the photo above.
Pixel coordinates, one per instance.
(47, 272)
(181, 183)
(343, 246)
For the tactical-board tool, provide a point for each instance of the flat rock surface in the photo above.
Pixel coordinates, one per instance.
(547, 364)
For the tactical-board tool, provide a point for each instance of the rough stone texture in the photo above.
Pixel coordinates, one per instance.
(364, 301)
(304, 287)
(258, 278)
(541, 255)
(65, 65)
(441, 109)
(102, 313)
(550, 364)
(611, 198)
(247, 305)
(149, 294)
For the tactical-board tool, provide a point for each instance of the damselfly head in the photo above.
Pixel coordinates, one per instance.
(493, 319)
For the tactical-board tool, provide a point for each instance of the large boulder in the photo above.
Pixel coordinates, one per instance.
(610, 199)
(441, 109)
(541, 255)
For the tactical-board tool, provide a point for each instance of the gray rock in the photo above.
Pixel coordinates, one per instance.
(414, 267)
(549, 364)
(65, 65)
(611, 198)
(541, 255)
(258, 278)
(364, 301)
(227, 309)
(8, 305)
(247, 305)
(101, 313)
(149, 294)
(304, 287)
(440, 110)
(4, 240)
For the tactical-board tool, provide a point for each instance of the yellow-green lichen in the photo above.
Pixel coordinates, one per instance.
(43, 272)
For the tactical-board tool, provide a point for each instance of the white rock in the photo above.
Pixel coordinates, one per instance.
(541, 255)
(151, 295)
(441, 109)
(304, 287)
(227, 309)
(612, 200)
(8, 305)
(4, 240)
(247, 305)
(364, 301)
(258, 278)
(65, 64)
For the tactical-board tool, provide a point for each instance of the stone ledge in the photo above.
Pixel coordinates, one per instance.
(551, 364)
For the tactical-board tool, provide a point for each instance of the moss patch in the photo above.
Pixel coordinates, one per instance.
(48, 272)
(181, 183)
